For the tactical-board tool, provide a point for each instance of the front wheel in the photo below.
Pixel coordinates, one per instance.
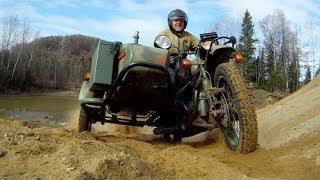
(85, 120)
(238, 120)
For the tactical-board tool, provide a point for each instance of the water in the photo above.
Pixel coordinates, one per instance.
(49, 109)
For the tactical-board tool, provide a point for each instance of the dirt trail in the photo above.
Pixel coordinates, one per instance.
(289, 138)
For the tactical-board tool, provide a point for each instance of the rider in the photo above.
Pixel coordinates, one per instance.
(180, 39)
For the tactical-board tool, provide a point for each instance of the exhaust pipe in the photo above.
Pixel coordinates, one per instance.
(168, 130)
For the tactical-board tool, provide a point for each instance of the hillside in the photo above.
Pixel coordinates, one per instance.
(53, 62)
(291, 117)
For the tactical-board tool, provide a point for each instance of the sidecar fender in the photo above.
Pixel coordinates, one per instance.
(86, 96)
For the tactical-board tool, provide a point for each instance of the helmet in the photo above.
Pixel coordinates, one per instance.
(177, 14)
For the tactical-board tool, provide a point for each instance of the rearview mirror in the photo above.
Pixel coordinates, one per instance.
(162, 42)
(233, 40)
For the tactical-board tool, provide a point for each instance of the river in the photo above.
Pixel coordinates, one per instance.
(51, 109)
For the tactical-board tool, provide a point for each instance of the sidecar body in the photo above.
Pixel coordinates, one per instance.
(127, 76)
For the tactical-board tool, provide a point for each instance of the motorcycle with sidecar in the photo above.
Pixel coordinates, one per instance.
(181, 95)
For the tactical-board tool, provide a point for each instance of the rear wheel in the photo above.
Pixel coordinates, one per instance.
(238, 120)
(85, 120)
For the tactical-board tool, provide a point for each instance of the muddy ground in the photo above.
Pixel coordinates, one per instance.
(289, 148)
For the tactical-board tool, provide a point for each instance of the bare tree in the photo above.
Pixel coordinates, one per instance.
(9, 27)
(283, 52)
(311, 44)
(25, 30)
(226, 26)
(36, 37)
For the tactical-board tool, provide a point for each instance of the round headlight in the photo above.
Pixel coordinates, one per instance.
(162, 42)
(206, 45)
(192, 57)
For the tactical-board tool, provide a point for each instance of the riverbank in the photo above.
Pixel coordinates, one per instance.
(70, 93)
(52, 108)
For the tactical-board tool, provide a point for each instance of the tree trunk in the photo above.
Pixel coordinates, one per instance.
(55, 74)
(8, 65)
(15, 65)
(31, 56)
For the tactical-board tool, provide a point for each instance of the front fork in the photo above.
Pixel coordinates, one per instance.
(205, 97)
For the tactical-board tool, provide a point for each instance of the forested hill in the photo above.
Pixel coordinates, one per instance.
(54, 62)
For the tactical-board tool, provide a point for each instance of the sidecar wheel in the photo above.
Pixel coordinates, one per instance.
(84, 120)
(239, 120)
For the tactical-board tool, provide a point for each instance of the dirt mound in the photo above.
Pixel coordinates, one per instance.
(290, 118)
(49, 152)
(263, 98)
(31, 151)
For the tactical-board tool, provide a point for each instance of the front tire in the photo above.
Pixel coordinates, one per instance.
(85, 120)
(239, 120)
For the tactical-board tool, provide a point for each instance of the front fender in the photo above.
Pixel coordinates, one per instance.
(221, 51)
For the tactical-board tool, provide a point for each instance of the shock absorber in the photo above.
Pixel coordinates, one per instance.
(202, 106)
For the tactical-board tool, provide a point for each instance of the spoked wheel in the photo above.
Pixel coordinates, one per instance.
(85, 120)
(230, 122)
(238, 118)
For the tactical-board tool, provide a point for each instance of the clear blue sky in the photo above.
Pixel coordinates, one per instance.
(118, 20)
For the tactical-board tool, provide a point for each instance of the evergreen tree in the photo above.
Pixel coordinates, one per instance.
(246, 46)
(307, 78)
(294, 75)
(317, 72)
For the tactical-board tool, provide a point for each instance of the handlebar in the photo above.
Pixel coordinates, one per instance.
(181, 55)
(232, 40)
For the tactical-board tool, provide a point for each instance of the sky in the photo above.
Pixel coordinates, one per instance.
(119, 20)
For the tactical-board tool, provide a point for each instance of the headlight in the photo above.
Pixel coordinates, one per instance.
(163, 42)
(206, 45)
(192, 57)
